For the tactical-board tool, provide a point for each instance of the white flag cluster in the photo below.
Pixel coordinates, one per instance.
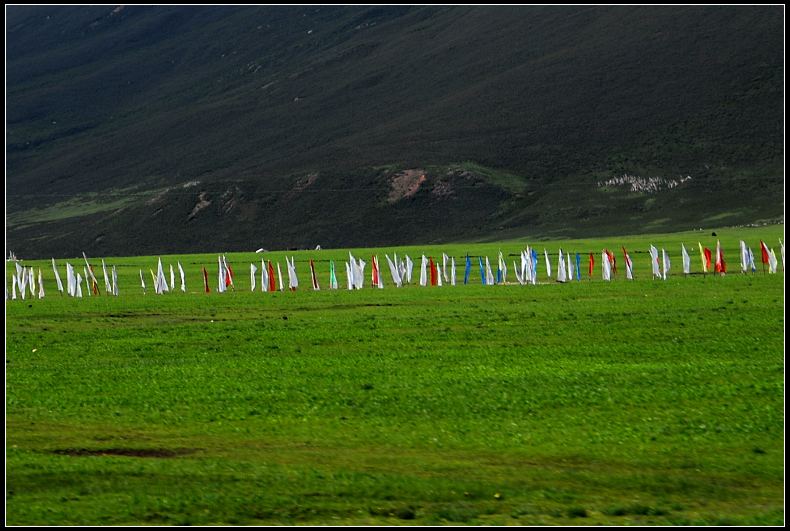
(23, 281)
(26, 283)
(73, 280)
(394, 271)
(526, 272)
(159, 280)
(355, 272)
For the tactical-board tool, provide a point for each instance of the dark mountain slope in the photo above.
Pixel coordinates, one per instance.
(295, 121)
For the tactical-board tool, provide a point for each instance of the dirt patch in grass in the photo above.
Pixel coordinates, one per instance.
(126, 452)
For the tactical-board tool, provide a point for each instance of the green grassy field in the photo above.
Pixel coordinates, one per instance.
(644, 402)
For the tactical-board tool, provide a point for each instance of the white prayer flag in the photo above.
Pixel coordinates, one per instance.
(517, 272)
(380, 283)
(221, 274)
(548, 264)
(107, 286)
(490, 281)
(293, 281)
(183, 282)
(503, 268)
(40, 285)
(686, 260)
(21, 280)
(396, 279)
(561, 273)
(161, 281)
(570, 266)
(629, 266)
(606, 267)
(32, 282)
(665, 260)
(359, 275)
(57, 277)
(87, 281)
(71, 287)
(352, 271)
(744, 257)
(654, 262)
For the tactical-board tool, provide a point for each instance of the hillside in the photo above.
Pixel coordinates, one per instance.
(136, 130)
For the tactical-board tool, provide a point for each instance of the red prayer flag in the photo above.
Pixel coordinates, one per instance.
(592, 263)
(272, 285)
(312, 274)
(94, 286)
(721, 265)
(764, 250)
(228, 276)
(707, 258)
(375, 271)
(205, 280)
(433, 272)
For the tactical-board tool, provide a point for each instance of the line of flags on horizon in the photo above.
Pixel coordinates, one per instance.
(25, 283)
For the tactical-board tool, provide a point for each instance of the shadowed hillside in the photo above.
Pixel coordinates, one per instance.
(162, 129)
